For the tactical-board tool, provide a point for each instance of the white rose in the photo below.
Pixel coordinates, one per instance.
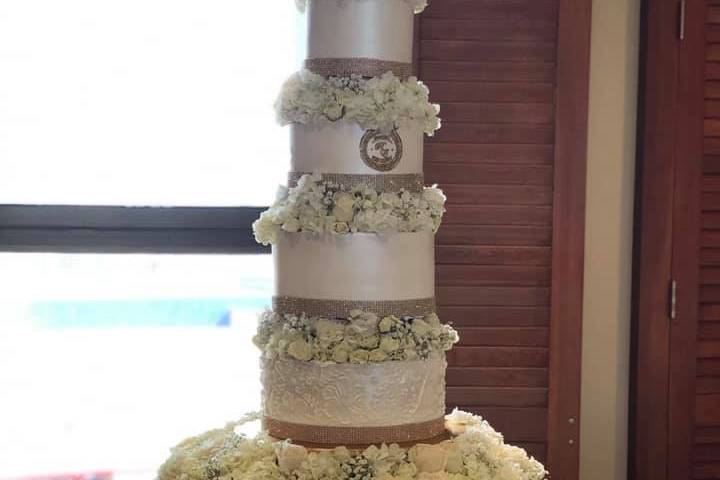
(363, 323)
(340, 355)
(432, 476)
(290, 457)
(370, 341)
(333, 112)
(265, 230)
(420, 327)
(300, 349)
(509, 472)
(428, 458)
(341, 454)
(377, 355)
(389, 344)
(344, 209)
(341, 228)
(291, 225)
(454, 459)
(359, 356)
(432, 319)
(386, 324)
(458, 422)
(434, 196)
(329, 331)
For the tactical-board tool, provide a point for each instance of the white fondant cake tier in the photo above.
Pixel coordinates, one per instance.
(357, 395)
(335, 148)
(380, 29)
(359, 266)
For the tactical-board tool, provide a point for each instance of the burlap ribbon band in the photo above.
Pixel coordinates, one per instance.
(365, 67)
(417, 307)
(324, 435)
(411, 182)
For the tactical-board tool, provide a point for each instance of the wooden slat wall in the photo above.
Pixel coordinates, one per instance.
(706, 451)
(491, 66)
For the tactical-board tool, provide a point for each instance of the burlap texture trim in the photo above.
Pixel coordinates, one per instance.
(365, 67)
(323, 435)
(412, 182)
(340, 308)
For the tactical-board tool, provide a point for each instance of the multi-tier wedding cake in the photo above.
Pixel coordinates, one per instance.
(353, 353)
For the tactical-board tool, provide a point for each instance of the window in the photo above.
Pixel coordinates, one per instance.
(137, 145)
(141, 102)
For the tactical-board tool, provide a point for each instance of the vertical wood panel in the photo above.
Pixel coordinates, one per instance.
(512, 78)
(676, 218)
(652, 247)
(571, 106)
(686, 239)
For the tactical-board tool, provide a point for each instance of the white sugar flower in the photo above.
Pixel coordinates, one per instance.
(428, 458)
(290, 456)
(329, 330)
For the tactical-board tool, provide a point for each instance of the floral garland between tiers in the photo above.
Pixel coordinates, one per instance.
(418, 5)
(476, 452)
(362, 338)
(378, 103)
(322, 206)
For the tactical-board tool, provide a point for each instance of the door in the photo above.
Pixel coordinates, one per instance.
(676, 390)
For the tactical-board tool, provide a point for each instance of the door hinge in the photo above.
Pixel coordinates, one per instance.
(681, 19)
(673, 300)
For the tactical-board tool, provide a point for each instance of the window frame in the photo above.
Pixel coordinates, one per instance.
(117, 229)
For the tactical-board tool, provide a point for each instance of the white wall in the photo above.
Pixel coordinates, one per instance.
(608, 247)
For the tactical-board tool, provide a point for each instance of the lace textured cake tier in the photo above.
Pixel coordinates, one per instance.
(359, 266)
(354, 395)
(379, 29)
(344, 147)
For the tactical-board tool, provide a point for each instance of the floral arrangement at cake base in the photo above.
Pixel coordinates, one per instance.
(475, 452)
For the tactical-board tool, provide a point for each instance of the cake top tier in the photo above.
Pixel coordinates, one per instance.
(366, 37)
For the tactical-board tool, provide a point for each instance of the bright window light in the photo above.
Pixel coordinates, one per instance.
(144, 102)
(107, 361)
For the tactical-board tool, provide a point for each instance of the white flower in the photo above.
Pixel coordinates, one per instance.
(344, 209)
(377, 356)
(359, 356)
(340, 354)
(428, 458)
(363, 323)
(389, 344)
(459, 422)
(300, 350)
(290, 456)
(329, 331)
(432, 476)
(420, 327)
(454, 457)
(291, 225)
(341, 228)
